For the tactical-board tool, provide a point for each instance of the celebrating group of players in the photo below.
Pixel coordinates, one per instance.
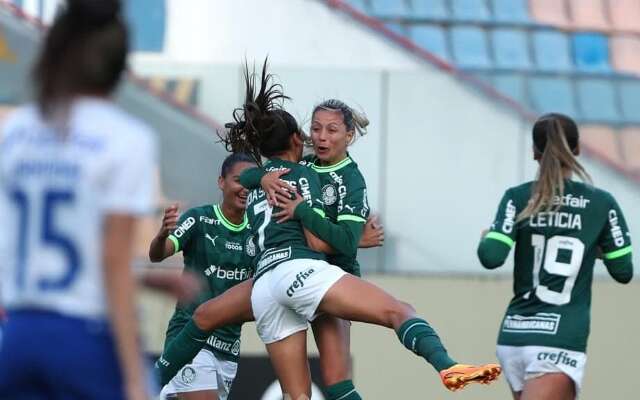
(279, 249)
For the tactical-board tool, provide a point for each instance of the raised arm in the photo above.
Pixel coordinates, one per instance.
(161, 247)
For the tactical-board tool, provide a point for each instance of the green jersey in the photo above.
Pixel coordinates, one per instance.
(221, 252)
(555, 253)
(277, 243)
(344, 194)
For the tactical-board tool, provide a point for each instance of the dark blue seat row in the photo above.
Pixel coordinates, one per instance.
(598, 100)
(506, 48)
(504, 11)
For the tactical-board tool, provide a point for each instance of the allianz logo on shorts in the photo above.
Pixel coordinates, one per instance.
(546, 323)
(237, 274)
(223, 345)
(299, 282)
(561, 357)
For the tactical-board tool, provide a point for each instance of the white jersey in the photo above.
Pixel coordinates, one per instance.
(55, 191)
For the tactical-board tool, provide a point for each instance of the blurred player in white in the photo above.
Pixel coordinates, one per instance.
(75, 172)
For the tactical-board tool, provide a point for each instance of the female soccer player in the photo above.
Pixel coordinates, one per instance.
(558, 227)
(216, 243)
(293, 284)
(75, 171)
(334, 127)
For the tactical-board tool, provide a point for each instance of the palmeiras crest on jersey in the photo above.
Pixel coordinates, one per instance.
(329, 194)
(235, 350)
(188, 375)
(250, 247)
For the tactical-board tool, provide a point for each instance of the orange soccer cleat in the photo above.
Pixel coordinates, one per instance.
(460, 375)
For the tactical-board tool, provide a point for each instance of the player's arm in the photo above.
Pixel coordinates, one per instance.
(615, 242)
(253, 178)
(496, 243)
(161, 247)
(164, 244)
(128, 193)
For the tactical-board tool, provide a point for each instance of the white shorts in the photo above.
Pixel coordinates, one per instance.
(521, 363)
(285, 298)
(205, 372)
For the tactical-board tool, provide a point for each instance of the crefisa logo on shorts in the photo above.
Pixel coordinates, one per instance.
(188, 375)
(558, 358)
(299, 282)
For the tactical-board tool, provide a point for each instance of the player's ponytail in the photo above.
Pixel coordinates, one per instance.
(354, 120)
(260, 128)
(555, 141)
(84, 53)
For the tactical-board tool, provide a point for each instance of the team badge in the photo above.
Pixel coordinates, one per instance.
(250, 246)
(329, 195)
(188, 375)
(235, 350)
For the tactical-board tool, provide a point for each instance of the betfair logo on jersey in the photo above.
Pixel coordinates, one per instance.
(299, 282)
(224, 345)
(184, 227)
(237, 274)
(546, 323)
(570, 201)
(616, 231)
(509, 217)
(561, 357)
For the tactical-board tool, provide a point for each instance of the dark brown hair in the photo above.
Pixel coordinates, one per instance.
(84, 52)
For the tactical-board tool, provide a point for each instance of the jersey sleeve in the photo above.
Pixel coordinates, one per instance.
(355, 205)
(495, 246)
(250, 178)
(186, 230)
(343, 237)
(615, 242)
(131, 184)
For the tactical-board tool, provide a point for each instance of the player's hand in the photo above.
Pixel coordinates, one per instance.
(272, 184)
(373, 234)
(169, 220)
(184, 286)
(288, 206)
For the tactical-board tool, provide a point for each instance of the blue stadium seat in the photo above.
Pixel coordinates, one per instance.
(551, 51)
(389, 8)
(470, 49)
(431, 38)
(597, 99)
(630, 100)
(511, 85)
(397, 28)
(146, 19)
(591, 52)
(548, 94)
(470, 10)
(429, 9)
(511, 11)
(358, 5)
(510, 49)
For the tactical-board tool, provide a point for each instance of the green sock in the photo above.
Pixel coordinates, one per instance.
(417, 336)
(343, 391)
(182, 349)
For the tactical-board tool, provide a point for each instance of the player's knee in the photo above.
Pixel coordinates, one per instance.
(397, 313)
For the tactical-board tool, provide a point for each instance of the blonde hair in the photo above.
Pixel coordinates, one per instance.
(555, 139)
(355, 121)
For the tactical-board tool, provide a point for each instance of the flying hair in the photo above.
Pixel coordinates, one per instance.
(555, 140)
(261, 127)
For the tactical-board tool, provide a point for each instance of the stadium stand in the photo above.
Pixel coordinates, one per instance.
(580, 57)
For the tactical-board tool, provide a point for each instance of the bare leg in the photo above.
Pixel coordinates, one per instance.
(556, 386)
(372, 304)
(333, 340)
(231, 307)
(289, 359)
(199, 395)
